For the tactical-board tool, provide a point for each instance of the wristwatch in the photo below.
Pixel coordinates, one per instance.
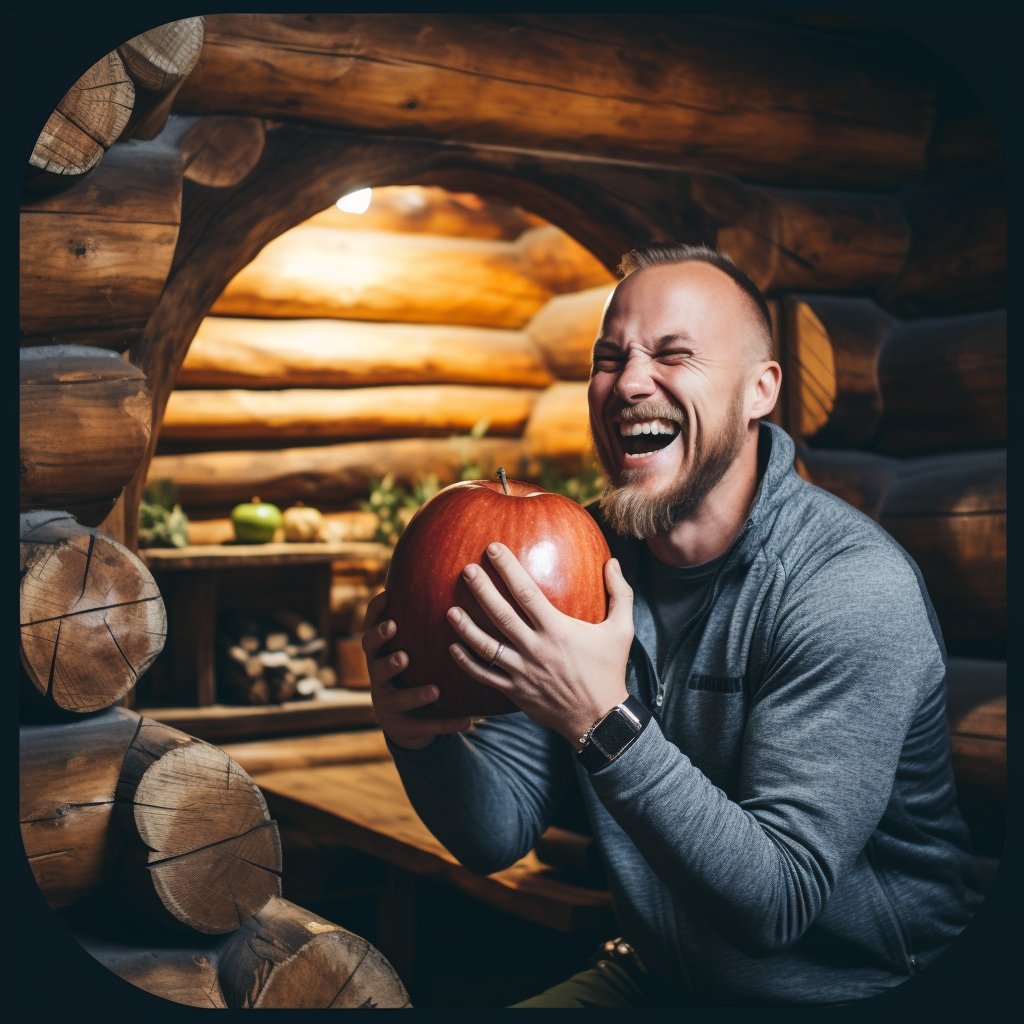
(613, 734)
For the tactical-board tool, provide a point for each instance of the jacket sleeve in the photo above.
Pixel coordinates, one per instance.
(488, 794)
(851, 657)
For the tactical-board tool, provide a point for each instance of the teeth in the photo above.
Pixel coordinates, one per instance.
(639, 427)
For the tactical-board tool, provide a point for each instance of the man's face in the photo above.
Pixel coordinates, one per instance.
(668, 392)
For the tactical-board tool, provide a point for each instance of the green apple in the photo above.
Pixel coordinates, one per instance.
(255, 521)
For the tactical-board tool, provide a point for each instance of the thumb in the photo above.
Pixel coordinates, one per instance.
(620, 594)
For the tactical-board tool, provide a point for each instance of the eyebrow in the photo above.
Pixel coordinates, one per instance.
(667, 339)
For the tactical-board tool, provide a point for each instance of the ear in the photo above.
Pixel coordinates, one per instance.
(764, 389)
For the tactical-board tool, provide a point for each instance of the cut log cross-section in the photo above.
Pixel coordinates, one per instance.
(87, 122)
(858, 377)
(283, 957)
(92, 619)
(208, 856)
(158, 62)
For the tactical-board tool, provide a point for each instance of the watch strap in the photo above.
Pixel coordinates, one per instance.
(613, 734)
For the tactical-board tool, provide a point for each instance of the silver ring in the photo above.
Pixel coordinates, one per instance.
(497, 655)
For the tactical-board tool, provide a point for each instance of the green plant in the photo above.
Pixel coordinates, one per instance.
(162, 522)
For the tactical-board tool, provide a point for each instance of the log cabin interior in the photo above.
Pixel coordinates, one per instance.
(196, 309)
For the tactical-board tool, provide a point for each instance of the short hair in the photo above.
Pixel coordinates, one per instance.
(662, 254)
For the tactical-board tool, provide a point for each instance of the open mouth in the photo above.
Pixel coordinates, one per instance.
(642, 437)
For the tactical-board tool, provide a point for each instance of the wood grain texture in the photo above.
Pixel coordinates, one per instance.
(584, 84)
(67, 780)
(97, 254)
(218, 152)
(158, 62)
(208, 419)
(87, 122)
(284, 957)
(92, 619)
(205, 854)
(378, 276)
(855, 376)
(242, 352)
(84, 424)
(564, 329)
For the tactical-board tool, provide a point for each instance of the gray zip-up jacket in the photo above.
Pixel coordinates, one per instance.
(785, 830)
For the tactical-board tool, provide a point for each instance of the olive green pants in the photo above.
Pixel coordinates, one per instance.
(608, 985)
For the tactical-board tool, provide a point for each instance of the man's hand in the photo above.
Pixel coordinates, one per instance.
(392, 704)
(563, 672)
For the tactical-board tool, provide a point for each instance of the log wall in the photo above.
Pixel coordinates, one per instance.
(879, 235)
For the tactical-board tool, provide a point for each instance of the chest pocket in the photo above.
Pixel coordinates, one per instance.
(715, 684)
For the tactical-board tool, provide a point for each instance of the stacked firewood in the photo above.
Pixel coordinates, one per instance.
(270, 659)
(155, 847)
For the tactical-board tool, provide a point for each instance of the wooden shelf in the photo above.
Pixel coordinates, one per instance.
(216, 723)
(245, 556)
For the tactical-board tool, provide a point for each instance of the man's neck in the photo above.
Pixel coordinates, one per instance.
(712, 527)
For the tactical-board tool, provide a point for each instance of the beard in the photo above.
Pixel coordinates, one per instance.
(630, 511)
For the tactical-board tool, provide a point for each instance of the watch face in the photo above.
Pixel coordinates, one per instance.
(613, 733)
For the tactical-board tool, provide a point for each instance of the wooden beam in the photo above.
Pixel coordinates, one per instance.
(739, 99)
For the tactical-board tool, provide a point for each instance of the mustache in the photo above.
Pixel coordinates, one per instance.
(652, 409)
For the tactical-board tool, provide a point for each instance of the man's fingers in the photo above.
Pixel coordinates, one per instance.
(399, 699)
(620, 594)
(378, 635)
(375, 609)
(482, 644)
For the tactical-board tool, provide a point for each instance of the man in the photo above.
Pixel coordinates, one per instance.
(759, 725)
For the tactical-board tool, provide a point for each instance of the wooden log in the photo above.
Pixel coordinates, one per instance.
(977, 715)
(284, 957)
(324, 272)
(92, 620)
(559, 429)
(84, 422)
(245, 353)
(949, 513)
(68, 775)
(943, 382)
(430, 210)
(356, 746)
(208, 855)
(745, 100)
(857, 377)
(97, 255)
(564, 329)
(158, 62)
(87, 122)
(207, 418)
(339, 473)
(957, 259)
(218, 152)
(559, 262)
(830, 357)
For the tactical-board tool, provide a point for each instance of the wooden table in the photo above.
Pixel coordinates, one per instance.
(197, 581)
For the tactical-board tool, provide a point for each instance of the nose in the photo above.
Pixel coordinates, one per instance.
(635, 381)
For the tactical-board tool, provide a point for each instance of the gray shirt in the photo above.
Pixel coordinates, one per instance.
(785, 830)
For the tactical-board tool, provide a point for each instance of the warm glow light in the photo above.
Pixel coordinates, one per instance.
(355, 202)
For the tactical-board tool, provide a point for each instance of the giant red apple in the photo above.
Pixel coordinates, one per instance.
(555, 539)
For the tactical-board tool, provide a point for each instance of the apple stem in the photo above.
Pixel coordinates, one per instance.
(503, 478)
